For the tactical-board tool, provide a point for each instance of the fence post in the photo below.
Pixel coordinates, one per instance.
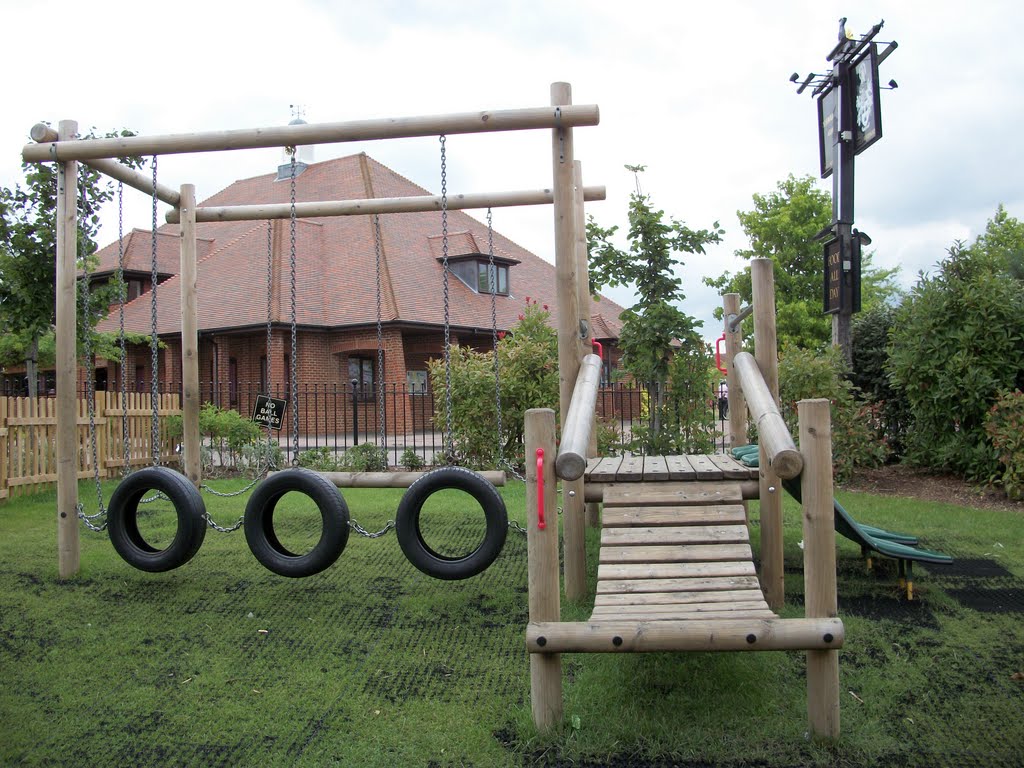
(5, 447)
(355, 413)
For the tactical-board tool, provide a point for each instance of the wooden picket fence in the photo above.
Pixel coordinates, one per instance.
(28, 434)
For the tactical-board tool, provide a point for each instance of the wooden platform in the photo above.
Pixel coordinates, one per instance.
(647, 469)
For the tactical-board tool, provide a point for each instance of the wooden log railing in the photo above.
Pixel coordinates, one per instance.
(774, 437)
(572, 452)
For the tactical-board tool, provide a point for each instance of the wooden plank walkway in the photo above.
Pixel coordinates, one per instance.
(659, 469)
(674, 551)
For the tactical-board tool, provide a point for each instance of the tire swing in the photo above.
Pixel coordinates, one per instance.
(407, 519)
(260, 533)
(123, 510)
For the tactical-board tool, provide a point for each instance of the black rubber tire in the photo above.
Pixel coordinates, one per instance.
(259, 523)
(410, 537)
(123, 522)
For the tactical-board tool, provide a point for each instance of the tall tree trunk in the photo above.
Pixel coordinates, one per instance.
(32, 366)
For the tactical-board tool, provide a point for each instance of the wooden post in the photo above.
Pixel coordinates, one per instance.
(819, 563)
(67, 368)
(542, 565)
(737, 401)
(592, 510)
(570, 347)
(766, 354)
(191, 462)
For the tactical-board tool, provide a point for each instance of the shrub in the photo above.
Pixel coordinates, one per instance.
(411, 460)
(870, 375)
(528, 365)
(320, 459)
(226, 434)
(1004, 425)
(365, 457)
(805, 374)
(958, 341)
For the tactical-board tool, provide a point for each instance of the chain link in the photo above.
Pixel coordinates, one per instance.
(154, 343)
(90, 390)
(122, 297)
(381, 414)
(449, 438)
(516, 527)
(390, 526)
(293, 375)
(88, 519)
(219, 528)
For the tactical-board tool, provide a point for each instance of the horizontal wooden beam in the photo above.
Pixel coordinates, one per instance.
(564, 116)
(41, 132)
(393, 479)
(773, 434)
(363, 207)
(579, 419)
(684, 635)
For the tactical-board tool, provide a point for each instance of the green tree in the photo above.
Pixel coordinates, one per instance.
(28, 267)
(782, 226)
(655, 325)
(1003, 239)
(957, 344)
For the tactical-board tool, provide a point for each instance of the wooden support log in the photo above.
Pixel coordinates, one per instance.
(542, 563)
(191, 460)
(41, 132)
(67, 362)
(783, 457)
(362, 207)
(687, 635)
(821, 600)
(394, 479)
(579, 421)
(565, 116)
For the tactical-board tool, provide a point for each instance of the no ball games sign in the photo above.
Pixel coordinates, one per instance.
(269, 411)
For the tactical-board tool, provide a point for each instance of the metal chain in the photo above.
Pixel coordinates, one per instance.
(220, 528)
(381, 414)
(449, 439)
(293, 376)
(153, 343)
(367, 534)
(90, 397)
(516, 527)
(122, 297)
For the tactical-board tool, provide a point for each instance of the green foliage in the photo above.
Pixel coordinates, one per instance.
(365, 457)
(870, 375)
(957, 343)
(781, 226)
(28, 269)
(1003, 239)
(528, 366)
(609, 437)
(654, 325)
(411, 460)
(232, 439)
(1004, 425)
(804, 374)
(320, 459)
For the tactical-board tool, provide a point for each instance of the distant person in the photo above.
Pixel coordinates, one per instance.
(723, 401)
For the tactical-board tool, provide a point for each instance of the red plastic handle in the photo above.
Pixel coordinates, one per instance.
(718, 353)
(600, 348)
(541, 525)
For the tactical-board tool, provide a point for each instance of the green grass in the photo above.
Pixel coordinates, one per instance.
(222, 663)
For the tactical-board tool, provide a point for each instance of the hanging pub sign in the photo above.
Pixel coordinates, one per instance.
(269, 411)
(867, 102)
(827, 123)
(833, 276)
(841, 289)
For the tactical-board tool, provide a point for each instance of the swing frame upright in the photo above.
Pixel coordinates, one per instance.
(566, 194)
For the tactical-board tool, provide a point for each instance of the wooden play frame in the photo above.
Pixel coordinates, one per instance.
(566, 195)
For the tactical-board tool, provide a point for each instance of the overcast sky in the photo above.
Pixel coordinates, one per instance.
(697, 92)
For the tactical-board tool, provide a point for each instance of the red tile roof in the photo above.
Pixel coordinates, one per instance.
(335, 262)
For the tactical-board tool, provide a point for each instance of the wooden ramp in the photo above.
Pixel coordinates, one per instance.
(676, 551)
(676, 572)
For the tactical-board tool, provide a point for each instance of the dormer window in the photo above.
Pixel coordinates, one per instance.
(474, 268)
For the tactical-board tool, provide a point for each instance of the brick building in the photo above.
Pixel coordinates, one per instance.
(336, 294)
